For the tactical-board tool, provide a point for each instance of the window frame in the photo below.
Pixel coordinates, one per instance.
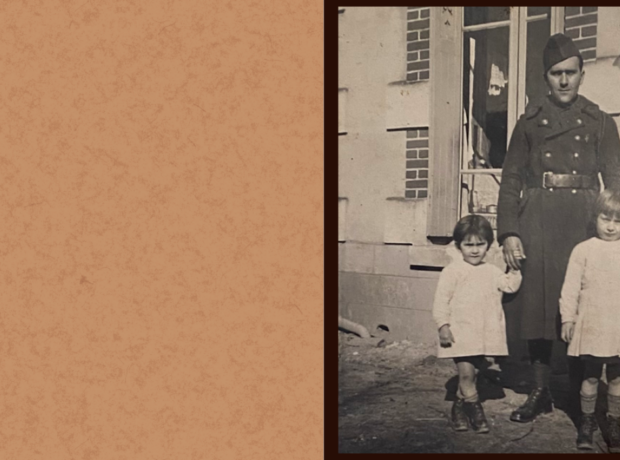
(446, 146)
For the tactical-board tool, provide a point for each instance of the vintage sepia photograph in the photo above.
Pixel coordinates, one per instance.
(478, 229)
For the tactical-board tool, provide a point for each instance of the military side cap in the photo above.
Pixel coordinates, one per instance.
(559, 48)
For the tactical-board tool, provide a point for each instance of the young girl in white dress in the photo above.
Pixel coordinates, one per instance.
(590, 312)
(469, 315)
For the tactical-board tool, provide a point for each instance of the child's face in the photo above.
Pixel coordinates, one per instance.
(608, 227)
(473, 249)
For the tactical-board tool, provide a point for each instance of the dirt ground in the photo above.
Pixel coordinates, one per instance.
(395, 397)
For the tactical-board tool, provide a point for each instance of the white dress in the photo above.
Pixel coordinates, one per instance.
(469, 299)
(591, 298)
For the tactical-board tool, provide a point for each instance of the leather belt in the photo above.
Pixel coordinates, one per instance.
(551, 180)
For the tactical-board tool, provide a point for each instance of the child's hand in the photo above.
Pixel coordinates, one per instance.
(446, 339)
(567, 331)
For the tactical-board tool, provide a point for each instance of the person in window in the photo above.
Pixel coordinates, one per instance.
(549, 185)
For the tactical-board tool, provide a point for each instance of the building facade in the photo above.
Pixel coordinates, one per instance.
(428, 97)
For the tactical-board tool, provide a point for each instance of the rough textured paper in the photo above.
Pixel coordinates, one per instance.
(161, 201)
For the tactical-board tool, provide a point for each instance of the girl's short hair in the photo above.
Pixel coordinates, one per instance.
(472, 224)
(608, 203)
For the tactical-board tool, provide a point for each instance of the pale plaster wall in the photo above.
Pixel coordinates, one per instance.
(402, 221)
(342, 110)
(342, 218)
(608, 32)
(407, 104)
(602, 77)
(376, 284)
(373, 99)
(602, 83)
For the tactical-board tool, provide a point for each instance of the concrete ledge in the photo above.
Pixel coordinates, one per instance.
(439, 256)
(430, 256)
(378, 259)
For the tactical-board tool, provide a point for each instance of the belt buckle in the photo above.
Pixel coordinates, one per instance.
(544, 179)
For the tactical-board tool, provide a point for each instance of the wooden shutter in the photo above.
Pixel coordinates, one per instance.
(445, 119)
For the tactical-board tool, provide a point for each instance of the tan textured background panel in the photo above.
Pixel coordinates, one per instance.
(161, 230)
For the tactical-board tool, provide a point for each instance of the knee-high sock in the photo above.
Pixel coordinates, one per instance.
(613, 405)
(588, 403)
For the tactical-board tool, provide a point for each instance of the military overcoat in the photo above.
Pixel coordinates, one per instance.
(581, 140)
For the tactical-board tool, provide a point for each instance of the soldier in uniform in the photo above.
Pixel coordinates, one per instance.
(548, 188)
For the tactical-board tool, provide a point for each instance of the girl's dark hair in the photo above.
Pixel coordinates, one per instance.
(473, 224)
(608, 203)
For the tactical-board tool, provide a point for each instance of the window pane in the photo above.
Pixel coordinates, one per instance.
(536, 10)
(479, 194)
(485, 98)
(537, 34)
(485, 14)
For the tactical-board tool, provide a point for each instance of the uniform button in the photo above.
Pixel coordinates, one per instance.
(577, 137)
(579, 121)
(574, 191)
(545, 121)
(550, 189)
(547, 154)
(576, 154)
(574, 172)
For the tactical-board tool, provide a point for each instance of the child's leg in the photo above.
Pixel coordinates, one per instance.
(587, 396)
(458, 417)
(467, 390)
(613, 391)
(613, 403)
(467, 381)
(589, 388)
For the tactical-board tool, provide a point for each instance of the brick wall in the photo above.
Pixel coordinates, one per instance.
(416, 184)
(580, 25)
(418, 49)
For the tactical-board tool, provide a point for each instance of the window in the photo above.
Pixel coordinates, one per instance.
(491, 104)
(498, 51)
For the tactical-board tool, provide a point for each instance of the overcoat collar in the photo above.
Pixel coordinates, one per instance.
(555, 120)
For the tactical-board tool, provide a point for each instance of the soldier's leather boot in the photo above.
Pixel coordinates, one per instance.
(614, 434)
(476, 417)
(538, 402)
(587, 427)
(459, 419)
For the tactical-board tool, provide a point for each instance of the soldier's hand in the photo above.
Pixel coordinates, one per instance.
(513, 252)
(567, 331)
(446, 339)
